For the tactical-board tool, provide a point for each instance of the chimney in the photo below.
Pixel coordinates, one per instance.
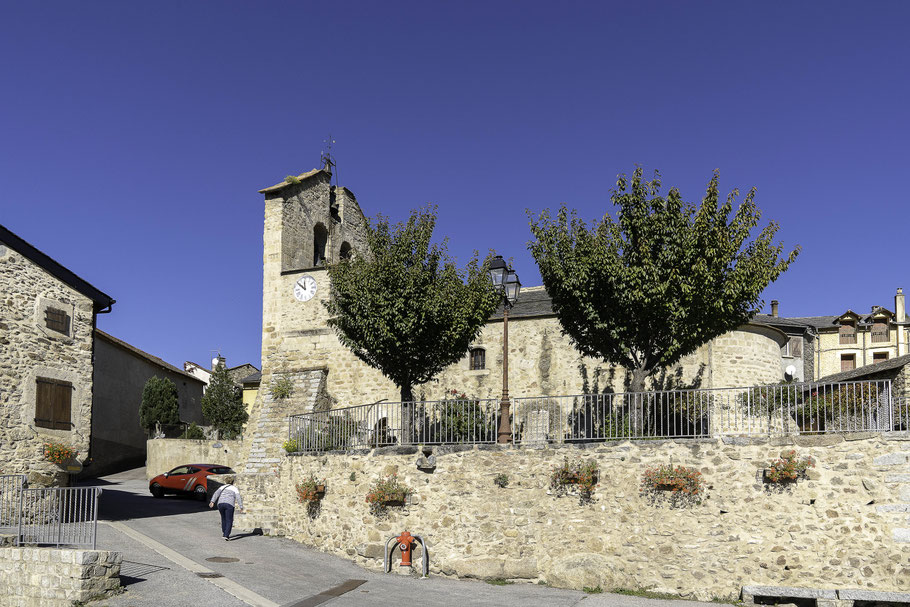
(218, 360)
(774, 304)
(900, 310)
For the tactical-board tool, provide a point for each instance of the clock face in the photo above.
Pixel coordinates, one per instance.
(305, 288)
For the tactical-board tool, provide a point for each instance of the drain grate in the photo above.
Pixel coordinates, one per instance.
(209, 574)
(222, 559)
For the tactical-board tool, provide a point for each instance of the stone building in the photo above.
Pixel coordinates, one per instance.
(238, 373)
(118, 441)
(47, 319)
(309, 222)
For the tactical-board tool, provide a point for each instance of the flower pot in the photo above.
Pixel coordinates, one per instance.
(782, 481)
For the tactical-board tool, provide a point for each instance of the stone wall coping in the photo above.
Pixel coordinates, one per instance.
(788, 592)
(874, 595)
(820, 440)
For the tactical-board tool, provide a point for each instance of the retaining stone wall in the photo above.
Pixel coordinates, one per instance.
(56, 577)
(846, 526)
(163, 454)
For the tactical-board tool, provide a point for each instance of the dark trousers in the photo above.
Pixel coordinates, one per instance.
(227, 518)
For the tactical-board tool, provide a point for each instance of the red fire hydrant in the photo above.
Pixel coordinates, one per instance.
(405, 544)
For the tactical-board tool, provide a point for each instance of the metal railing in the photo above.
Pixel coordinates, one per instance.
(58, 516)
(11, 486)
(798, 408)
(467, 421)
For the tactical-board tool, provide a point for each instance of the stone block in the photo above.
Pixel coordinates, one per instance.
(785, 592)
(902, 536)
(892, 459)
(874, 595)
(579, 571)
(893, 508)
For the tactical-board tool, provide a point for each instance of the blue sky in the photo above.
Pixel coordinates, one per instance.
(134, 136)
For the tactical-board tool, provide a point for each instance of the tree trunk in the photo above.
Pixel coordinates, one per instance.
(407, 415)
(638, 403)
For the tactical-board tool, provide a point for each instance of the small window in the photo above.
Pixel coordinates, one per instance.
(57, 320)
(53, 404)
(320, 239)
(879, 357)
(847, 362)
(345, 252)
(793, 348)
(478, 359)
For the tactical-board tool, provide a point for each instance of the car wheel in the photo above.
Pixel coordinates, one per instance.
(200, 492)
(156, 490)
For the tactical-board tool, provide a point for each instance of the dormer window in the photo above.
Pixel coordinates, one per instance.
(847, 332)
(880, 331)
(477, 357)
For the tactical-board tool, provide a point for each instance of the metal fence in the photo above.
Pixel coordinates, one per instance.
(11, 486)
(58, 516)
(784, 409)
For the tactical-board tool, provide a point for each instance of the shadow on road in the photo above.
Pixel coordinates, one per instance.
(118, 504)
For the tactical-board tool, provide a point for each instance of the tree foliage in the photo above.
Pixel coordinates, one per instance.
(159, 403)
(403, 307)
(222, 403)
(664, 277)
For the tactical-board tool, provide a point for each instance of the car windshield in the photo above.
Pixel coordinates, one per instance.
(180, 470)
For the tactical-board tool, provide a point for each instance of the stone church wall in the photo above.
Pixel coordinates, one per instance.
(29, 350)
(542, 361)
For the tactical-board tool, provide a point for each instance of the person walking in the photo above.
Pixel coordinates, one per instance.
(227, 497)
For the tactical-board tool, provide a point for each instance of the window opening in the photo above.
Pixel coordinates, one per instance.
(478, 359)
(57, 320)
(320, 238)
(53, 404)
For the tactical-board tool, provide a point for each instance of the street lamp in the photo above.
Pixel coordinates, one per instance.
(506, 281)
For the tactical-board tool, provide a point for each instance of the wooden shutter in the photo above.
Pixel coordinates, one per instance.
(57, 320)
(53, 404)
(847, 362)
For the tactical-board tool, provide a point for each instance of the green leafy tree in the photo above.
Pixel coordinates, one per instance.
(159, 403)
(222, 403)
(404, 308)
(664, 277)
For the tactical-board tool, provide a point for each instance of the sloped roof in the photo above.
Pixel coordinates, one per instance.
(255, 378)
(56, 269)
(532, 302)
(867, 370)
(301, 177)
(142, 354)
(815, 322)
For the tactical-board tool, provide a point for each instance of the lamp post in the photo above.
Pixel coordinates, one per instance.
(506, 281)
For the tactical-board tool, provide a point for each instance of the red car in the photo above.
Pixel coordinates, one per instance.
(186, 480)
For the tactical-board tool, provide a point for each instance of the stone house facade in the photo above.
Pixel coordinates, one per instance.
(47, 319)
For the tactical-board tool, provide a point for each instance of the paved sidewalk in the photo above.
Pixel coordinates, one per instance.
(167, 545)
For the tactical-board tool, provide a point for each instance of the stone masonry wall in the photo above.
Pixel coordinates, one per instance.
(55, 577)
(29, 350)
(846, 526)
(164, 454)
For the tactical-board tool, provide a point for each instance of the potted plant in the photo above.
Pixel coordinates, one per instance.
(579, 473)
(388, 491)
(788, 468)
(679, 484)
(310, 489)
(58, 453)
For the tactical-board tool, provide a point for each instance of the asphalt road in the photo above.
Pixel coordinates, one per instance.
(169, 544)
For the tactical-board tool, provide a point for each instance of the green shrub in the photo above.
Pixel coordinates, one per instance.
(194, 432)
